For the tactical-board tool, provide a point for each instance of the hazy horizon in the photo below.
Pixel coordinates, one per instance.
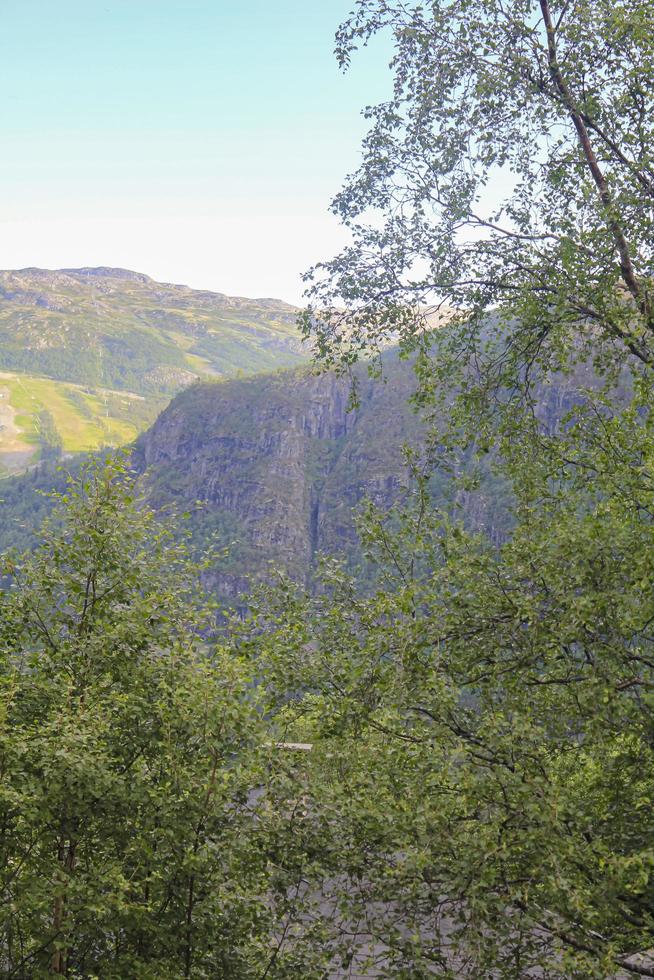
(174, 140)
(17, 270)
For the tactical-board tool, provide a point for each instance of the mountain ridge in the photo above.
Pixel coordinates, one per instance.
(99, 329)
(272, 468)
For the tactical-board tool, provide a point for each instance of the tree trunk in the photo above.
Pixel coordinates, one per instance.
(58, 962)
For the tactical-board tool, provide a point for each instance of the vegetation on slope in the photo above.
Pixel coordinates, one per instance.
(483, 724)
(469, 784)
(45, 419)
(103, 350)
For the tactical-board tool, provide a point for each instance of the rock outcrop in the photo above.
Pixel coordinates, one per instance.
(275, 466)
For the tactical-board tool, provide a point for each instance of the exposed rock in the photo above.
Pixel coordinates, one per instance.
(279, 465)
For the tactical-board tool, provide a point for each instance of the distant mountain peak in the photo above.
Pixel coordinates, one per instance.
(106, 272)
(102, 273)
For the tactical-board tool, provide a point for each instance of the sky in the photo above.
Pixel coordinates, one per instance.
(198, 141)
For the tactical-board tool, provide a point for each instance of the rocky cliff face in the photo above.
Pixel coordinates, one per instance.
(278, 464)
(274, 467)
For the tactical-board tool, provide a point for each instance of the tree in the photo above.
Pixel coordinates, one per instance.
(129, 747)
(482, 725)
(483, 728)
(512, 172)
(49, 437)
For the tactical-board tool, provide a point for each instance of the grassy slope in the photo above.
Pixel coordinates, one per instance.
(68, 336)
(84, 419)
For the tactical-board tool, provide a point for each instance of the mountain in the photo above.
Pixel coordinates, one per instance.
(274, 467)
(88, 357)
(271, 467)
(277, 464)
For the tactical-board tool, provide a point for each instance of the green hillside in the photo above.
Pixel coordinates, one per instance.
(272, 468)
(43, 419)
(89, 357)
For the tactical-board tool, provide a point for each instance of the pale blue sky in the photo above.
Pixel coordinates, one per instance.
(196, 141)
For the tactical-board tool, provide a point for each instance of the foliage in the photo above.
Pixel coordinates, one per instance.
(478, 799)
(511, 172)
(27, 500)
(51, 441)
(483, 724)
(129, 749)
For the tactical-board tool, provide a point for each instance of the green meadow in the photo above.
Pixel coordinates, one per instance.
(79, 419)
